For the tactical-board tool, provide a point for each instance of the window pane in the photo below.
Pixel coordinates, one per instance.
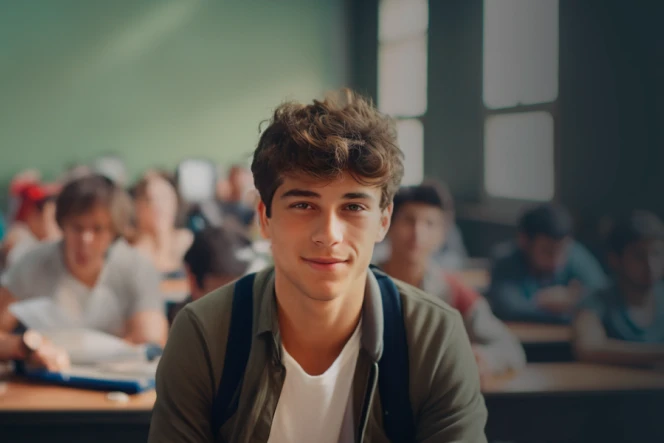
(402, 77)
(520, 52)
(400, 19)
(410, 134)
(518, 156)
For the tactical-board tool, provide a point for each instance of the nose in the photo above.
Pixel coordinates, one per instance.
(419, 232)
(87, 237)
(328, 231)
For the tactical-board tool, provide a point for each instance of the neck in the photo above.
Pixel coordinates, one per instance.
(404, 270)
(314, 332)
(88, 277)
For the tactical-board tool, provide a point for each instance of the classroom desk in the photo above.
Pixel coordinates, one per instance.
(34, 412)
(576, 402)
(543, 342)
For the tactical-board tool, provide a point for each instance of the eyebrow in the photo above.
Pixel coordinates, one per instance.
(312, 194)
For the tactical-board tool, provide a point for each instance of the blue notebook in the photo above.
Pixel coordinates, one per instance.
(90, 378)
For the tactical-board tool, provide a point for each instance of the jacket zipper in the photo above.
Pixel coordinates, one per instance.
(368, 401)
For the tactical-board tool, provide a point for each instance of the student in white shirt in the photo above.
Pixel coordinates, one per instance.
(93, 276)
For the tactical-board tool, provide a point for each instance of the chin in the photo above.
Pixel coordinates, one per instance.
(322, 290)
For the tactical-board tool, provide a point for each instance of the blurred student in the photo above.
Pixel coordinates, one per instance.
(452, 254)
(242, 197)
(416, 233)
(33, 223)
(156, 235)
(92, 275)
(216, 257)
(624, 322)
(33, 349)
(544, 274)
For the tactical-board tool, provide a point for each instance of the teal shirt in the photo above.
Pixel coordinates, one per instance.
(609, 305)
(513, 287)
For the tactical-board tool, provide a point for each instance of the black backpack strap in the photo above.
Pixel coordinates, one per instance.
(238, 346)
(393, 372)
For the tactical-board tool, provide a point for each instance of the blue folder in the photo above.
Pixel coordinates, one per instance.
(105, 382)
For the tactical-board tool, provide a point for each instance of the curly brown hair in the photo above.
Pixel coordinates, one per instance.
(322, 140)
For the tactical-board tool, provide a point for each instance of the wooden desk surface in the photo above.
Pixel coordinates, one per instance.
(541, 333)
(542, 378)
(17, 395)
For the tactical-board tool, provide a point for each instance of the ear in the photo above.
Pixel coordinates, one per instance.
(263, 219)
(385, 220)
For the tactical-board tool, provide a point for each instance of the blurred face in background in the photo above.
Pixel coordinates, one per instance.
(87, 237)
(156, 205)
(240, 182)
(417, 232)
(641, 265)
(545, 254)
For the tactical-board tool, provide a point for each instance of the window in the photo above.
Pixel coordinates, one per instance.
(520, 88)
(402, 76)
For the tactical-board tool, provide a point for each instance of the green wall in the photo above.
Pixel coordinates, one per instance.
(157, 81)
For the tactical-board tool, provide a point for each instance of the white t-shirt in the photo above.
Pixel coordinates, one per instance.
(128, 284)
(317, 408)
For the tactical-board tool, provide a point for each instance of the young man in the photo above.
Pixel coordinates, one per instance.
(543, 276)
(624, 323)
(326, 174)
(216, 257)
(96, 279)
(416, 234)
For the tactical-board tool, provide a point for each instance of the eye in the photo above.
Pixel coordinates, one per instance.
(354, 207)
(301, 205)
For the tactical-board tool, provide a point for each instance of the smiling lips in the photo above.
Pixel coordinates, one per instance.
(325, 263)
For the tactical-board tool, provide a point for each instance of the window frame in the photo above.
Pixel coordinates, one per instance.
(404, 117)
(511, 204)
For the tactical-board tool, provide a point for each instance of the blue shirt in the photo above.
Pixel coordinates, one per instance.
(513, 286)
(609, 305)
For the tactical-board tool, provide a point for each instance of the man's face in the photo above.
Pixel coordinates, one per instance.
(545, 254)
(87, 237)
(417, 232)
(323, 234)
(641, 263)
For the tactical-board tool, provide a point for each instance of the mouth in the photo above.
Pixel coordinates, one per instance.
(325, 263)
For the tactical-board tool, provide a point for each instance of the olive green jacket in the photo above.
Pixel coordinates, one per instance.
(444, 380)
